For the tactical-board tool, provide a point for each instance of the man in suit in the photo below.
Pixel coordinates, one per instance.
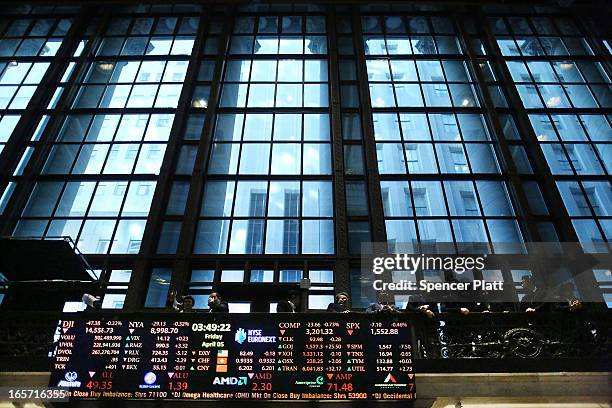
(216, 305)
(340, 305)
(385, 304)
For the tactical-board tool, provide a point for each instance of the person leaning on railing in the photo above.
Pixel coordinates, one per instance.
(463, 302)
(533, 300)
(418, 304)
(290, 303)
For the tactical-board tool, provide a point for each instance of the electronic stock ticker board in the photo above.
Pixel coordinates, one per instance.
(251, 357)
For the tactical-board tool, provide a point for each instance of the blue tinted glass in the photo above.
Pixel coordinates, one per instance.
(254, 158)
(43, 199)
(505, 235)
(420, 158)
(386, 126)
(217, 200)
(317, 199)
(573, 198)
(434, 230)
(251, 199)
(128, 237)
(317, 237)
(247, 236)
(494, 198)
(599, 194)
(178, 198)
(428, 198)
(482, 158)
(396, 198)
(169, 238)
(390, 157)
(211, 237)
(159, 284)
(462, 199)
(400, 232)
(589, 236)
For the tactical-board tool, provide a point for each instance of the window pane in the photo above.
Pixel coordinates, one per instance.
(428, 198)
(396, 198)
(139, 198)
(108, 198)
(282, 237)
(232, 276)
(420, 158)
(434, 231)
(400, 233)
(317, 237)
(505, 236)
(128, 237)
(287, 127)
(494, 198)
(43, 199)
(211, 237)
(317, 199)
(251, 199)
(217, 201)
(247, 236)
(224, 158)
(257, 127)
(75, 199)
(317, 159)
(286, 158)
(462, 198)
(254, 158)
(284, 199)
(356, 199)
(96, 236)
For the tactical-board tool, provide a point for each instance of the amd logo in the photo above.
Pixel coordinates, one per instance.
(230, 381)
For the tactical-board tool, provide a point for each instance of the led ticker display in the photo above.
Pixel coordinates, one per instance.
(256, 357)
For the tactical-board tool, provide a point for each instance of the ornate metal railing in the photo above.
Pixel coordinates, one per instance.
(477, 342)
(516, 336)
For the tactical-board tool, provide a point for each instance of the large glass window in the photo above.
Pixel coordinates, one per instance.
(110, 146)
(566, 92)
(272, 135)
(27, 47)
(429, 125)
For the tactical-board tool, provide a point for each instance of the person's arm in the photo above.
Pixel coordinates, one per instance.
(457, 307)
(414, 304)
(538, 303)
(332, 308)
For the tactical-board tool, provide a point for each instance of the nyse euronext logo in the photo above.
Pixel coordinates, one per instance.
(240, 336)
(252, 336)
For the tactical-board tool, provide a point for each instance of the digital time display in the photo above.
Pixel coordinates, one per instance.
(223, 356)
